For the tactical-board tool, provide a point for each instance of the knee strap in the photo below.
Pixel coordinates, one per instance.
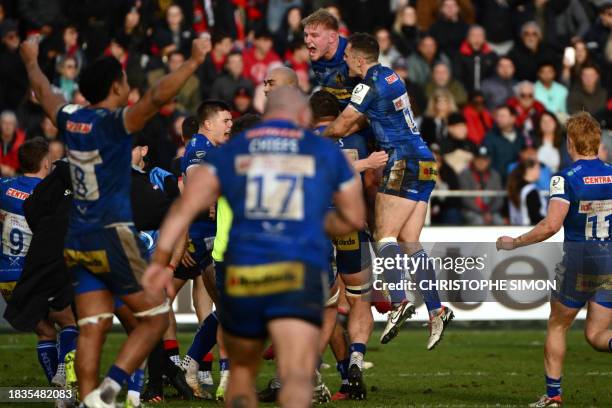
(359, 290)
(157, 310)
(333, 299)
(95, 319)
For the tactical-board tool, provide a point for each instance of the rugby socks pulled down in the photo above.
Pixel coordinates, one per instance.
(389, 248)
(357, 352)
(205, 338)
(67, 341)
(425, 272)
(111, 385)
(342, 366)
(553, 386)
(135, 384)
(48, 357)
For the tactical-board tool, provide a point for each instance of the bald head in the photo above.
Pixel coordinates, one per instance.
(281, 76)
(288, 102)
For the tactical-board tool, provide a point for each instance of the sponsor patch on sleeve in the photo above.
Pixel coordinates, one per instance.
(359, 93)
(557, 185)
(391, 78)
(71, 108)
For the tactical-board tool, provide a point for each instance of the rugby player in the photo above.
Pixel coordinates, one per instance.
(274, 274)
(279, 76)
(581, 202)
(102, 247)
(408, 178)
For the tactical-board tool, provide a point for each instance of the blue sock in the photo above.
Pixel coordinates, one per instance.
(342, 366)
(118, 375)
(391, 249)
(47, 357)
(358, 347)
(136, 381)
(426, 272)
(67, 341)
(205, 338)
(224, 364)
(553, 386)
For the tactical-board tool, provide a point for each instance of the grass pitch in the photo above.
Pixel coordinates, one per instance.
(468, 368)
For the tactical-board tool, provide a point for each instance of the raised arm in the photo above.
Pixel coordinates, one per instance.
(50, 101)
(159, 94)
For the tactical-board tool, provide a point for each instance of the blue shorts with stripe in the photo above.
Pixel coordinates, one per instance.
(413, 178)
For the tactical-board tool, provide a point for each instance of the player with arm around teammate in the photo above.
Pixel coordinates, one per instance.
(581, 203)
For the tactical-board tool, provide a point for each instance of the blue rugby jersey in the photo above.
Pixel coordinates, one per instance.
(333, 75)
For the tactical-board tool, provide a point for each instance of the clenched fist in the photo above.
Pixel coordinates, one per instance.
(29, 51)
(200, 47)
(377, 159)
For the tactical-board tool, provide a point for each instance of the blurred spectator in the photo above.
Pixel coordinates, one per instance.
(587, 94)
(162, 137)
(428, 11)
(290, 31)
(29, 113)
(405, 32)
(299, 60)
(41, 15)
(499, 88)
(434, 125)
(605, 148)
(415, 93)
(479, 120)
(11, 138)
(174, 34)
(456, 149)
(550, 93)
(526, 204)
(14, 81)
(342, 27)
(529, 153)
(226, 84)
(599, 35)
(562, 20)
(529, 52)
(214, 62)
(496, 17)
(130, 61)
(449, 29)
(260, 58)
(445, 210)
(388, 53)
(242, 102)
(527, 109)
(481, 177)
(133, 31)
(188, 97)
(278, 11)
(66, 82)
(46, 129)
(57, 150)
(476, 61)
(549, 138)
(504, 141)
(571, 68)
(441, 79)
(421, 61)
(70, 37)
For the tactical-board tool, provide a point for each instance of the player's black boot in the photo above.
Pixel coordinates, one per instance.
(153, 394)
(356, 387)
(269, 393)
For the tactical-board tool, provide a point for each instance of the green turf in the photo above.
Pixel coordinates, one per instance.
(469, 368)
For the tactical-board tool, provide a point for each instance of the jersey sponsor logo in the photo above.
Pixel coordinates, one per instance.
(200, 154)
(264, 280)
(391, 78)
(428, 171)
(557, 185)
(338, 93)
(71, 108)
(94, 261)
(339, 79)
(348, 242)
(275, 132)
(77, 127)
(20, 195)
(597, 180)
(401, 102)
(359, 93)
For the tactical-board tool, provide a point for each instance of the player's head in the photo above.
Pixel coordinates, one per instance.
(321, 34)
(324, 106)
(288, 103)
(104, 79)
(215, 121)
(280, 76)
(33, 157)
(360, 53)
(140, 149)
(583, 135)
(245, 122)
(189, 127)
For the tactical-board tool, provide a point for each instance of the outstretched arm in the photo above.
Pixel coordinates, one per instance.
(50, 102)
(159, 94)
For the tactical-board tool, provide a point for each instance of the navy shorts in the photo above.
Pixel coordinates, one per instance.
(585, 274)
(200, 250)
(353, 252)
(408, 177)
(253, 295)
(112, 259)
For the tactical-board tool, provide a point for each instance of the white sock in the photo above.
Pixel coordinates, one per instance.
(357, 359)
(134, 397)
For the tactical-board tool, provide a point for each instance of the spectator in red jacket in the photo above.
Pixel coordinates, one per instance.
(476, 60)
(11, 137)
(527, 109)
(259, 59)
(478, 119)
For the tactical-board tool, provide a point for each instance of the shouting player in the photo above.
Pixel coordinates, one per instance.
(408, 178)
(102, 246)
(581, 202)
(274, 274)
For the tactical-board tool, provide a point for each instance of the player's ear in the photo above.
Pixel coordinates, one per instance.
(333, 36)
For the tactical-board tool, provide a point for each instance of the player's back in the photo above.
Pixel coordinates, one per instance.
(333, 75)
(16, 234)
(355, 146)
(279, 180)
(587, 186)
(99, 152)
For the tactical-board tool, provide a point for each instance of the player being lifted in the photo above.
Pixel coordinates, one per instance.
(102, 247)
(581, 202)
(274, 274)
(408, 178)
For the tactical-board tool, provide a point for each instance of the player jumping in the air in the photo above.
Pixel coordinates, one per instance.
(102, 247)
(408, 178)
(581, 203)
(274, 273)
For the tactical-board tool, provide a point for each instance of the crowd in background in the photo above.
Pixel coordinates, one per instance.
(491, 81)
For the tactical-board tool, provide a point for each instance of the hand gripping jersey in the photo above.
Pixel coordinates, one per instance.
(99, 151)
(16, 234)
(279, 181)
(333, 75)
